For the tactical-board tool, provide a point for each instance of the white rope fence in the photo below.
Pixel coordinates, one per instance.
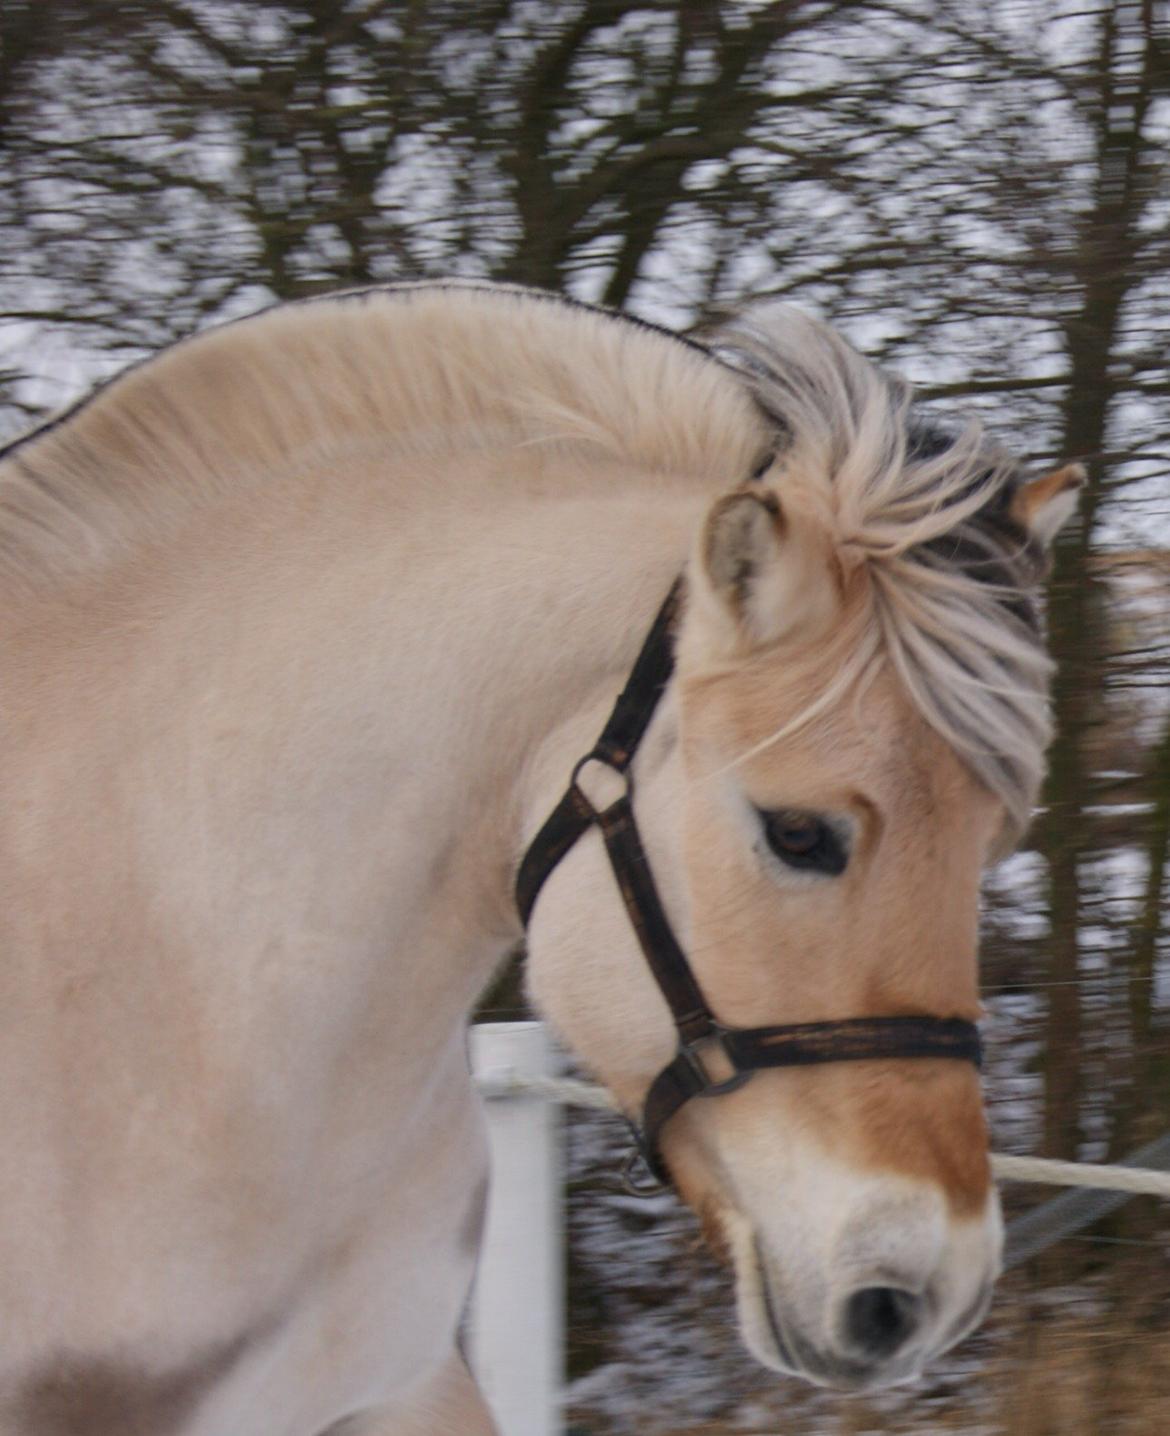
(1139, 1181)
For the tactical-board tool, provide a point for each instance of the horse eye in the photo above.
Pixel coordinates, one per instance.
(804, 841)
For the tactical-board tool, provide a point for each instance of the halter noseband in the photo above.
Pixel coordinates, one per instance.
(742, 1050)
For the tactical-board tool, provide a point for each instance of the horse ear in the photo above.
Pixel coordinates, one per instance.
(1043, 506)
(758, 576)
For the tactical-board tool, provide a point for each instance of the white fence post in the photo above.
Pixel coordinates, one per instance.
(516, 1330)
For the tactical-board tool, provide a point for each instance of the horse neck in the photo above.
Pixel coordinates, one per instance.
(368, 708)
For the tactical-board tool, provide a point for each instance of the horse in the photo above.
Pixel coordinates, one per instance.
(305, 622)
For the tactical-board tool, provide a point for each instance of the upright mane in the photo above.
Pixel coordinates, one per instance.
(415, 368)
(925, 512)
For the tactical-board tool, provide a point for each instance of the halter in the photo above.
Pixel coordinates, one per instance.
(739, 1051)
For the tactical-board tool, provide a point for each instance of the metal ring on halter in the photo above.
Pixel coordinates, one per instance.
(691, 1055)
(603, 760)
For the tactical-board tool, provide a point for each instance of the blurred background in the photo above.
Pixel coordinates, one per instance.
(977, 193)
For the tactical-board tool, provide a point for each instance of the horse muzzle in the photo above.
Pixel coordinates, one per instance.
(895, 1287)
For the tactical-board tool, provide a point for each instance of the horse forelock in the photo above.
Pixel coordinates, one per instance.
(922, 512)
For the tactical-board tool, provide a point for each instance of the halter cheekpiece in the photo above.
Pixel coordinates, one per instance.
(711, 1058)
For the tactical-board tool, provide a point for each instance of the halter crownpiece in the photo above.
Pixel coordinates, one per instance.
(711, 1058)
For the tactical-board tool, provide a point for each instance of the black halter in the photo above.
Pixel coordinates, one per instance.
(738, 1052)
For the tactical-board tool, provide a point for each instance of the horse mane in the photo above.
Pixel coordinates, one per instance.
(395, 368)
(921, 511)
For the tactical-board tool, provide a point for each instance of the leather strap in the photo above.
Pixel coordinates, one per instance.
(660, 947)
(800, 1044)
(623, 731)
(572, 817)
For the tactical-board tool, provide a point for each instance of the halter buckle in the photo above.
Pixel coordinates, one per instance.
(711, 1083)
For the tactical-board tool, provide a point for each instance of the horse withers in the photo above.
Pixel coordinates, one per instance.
(306, 622)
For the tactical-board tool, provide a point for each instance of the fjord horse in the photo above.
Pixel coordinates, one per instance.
(303, 625)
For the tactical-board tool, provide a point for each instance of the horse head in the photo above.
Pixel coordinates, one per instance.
(853, 731)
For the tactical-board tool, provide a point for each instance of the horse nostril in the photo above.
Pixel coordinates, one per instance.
(880, 1319)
